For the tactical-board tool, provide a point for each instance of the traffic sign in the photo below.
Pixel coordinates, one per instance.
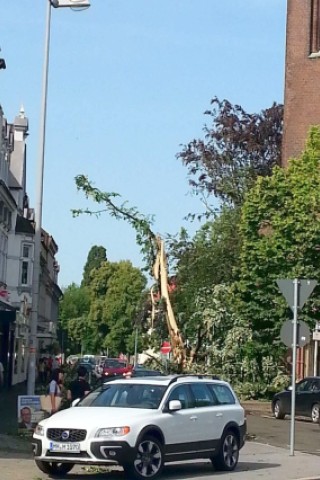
(303, 334)
(165, 348)
(305, 288)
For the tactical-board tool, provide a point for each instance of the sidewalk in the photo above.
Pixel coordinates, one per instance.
(9, 440)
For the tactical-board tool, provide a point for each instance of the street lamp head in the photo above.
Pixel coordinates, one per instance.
(70, 3)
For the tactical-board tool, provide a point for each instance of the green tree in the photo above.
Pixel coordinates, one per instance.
(237, 148)
(115, 294)
(210, 258)
(74, 309)
(96, 257)
(281, 237)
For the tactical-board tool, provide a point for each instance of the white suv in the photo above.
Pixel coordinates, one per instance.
(142, 423)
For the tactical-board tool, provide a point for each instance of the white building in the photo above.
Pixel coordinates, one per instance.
(16, 259)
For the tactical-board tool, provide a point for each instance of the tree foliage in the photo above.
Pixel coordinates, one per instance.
(281, 238)
(74, 308)
(96, 257)
(115, 293)
(237, 148)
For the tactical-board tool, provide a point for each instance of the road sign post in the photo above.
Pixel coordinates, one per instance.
(296, 292)
(294, 363)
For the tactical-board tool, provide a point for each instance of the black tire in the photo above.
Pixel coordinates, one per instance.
(315, 413)
(278, 410)
(55, 469)
(148, 461)
(228, 455)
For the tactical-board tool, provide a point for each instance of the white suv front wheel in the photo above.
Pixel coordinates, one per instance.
(148, 460)
(228, 456)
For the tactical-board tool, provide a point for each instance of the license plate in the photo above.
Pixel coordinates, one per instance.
(65, 447)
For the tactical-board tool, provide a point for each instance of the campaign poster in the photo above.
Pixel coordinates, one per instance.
(29, 413)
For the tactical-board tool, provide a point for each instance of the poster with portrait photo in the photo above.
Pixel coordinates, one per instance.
(29, 413)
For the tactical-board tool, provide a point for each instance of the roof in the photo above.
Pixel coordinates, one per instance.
(167, 380)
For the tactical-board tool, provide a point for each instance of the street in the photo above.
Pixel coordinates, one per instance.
(261, 457)
(266, 429)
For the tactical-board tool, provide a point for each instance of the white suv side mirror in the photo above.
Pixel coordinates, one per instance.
(174, 405)
(75, 402)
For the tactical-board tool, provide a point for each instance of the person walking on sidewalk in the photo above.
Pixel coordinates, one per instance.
(79, 387)
(55, 389)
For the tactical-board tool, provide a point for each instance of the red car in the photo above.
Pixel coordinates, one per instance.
(114, 366)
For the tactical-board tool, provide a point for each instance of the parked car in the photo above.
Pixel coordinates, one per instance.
(307, 400)
(113, 366)
(143, 423)
(140, 371)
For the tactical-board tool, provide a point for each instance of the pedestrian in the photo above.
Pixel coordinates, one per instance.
(41, 369)
(80, 387)
(55, 389)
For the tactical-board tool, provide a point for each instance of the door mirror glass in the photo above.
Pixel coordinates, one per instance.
(289, 388)
(75, 402)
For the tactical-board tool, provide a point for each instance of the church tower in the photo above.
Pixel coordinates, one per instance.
(302, 75)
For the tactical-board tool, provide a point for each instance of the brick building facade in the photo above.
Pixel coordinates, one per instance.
(302, 75)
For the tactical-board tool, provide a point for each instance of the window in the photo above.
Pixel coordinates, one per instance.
(24, 273)
(304, 386)
(25, 264)
(125, 395)
(315, 26)
(202, 395)
(182, 394)
(26, 251)
(222, 393)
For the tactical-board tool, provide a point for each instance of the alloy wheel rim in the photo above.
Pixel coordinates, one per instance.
(230, 451)
(148, 459)
(276, 408)
(315, 413)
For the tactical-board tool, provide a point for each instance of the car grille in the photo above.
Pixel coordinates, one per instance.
(75, 435)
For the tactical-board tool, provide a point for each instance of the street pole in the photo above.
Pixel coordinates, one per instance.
(31, 379)
(315, 358)
(294, 363)
(38, 214)
(136, 347)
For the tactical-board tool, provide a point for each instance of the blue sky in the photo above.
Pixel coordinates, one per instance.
(128, 84)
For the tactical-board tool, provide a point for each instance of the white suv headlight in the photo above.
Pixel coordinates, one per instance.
(113, 432)
(39, 430)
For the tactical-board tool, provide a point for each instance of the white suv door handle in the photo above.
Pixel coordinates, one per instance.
(219, 414)
(193, 418)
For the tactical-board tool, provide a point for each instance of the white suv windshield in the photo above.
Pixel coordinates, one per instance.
(125, 395)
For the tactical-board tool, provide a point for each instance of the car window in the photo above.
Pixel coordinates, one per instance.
(222, 393)
(126, 395)
(304, 386)
(202, 395)
(182, 394)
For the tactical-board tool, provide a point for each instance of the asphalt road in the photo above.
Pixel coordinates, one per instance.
(266, 429)
(255, 461)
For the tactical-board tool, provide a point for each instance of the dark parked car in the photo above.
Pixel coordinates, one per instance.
(139, 371)
(307, 400)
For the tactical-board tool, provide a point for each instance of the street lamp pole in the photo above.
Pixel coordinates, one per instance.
(31, 379)
(38, 214)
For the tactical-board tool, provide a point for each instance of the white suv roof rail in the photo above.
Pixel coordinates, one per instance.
(209, 376)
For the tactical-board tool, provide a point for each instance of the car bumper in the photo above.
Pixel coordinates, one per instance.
(95, 452)
(243, 433)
